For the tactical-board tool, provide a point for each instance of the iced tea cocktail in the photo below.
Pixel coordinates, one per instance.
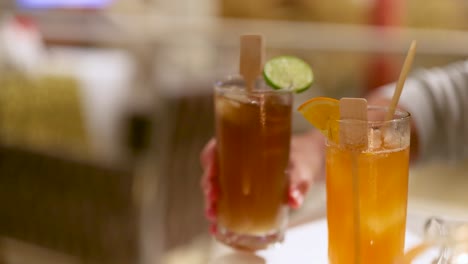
(253, 132)
(382, 179)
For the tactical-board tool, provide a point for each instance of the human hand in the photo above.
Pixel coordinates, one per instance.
(306, 163)
(209, 183)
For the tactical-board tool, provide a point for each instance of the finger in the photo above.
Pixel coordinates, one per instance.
(211, 191)
(297, 192)
(208, 153)
(209, 177)
(210, 213)
(211, 205)
(295, 199)
(206, 178)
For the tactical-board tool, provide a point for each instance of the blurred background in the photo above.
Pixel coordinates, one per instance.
(106, 104)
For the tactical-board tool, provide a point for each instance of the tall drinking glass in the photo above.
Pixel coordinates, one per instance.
(253, 132)
(375, 215)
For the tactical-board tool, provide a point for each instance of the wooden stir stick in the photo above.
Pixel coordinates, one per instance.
(250, 67)
(401, 80)
(251, 58)
(353, 136)
(413, 253)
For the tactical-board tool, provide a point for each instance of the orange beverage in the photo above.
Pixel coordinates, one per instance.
(253, 131)
(382, 176)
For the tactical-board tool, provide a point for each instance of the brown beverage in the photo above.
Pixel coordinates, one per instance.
(253, 133)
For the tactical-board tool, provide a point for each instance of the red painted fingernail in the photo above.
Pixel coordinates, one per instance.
(210, 213)
(295, 199)
(213, 229)
(213, 193)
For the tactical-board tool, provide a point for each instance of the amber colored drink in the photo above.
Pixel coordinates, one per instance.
(253, 131)
(382, 172)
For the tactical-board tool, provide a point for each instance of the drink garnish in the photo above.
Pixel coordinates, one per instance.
(250, 67)
(251, 58)
(354, 136)
(288, 73)
(319, 111)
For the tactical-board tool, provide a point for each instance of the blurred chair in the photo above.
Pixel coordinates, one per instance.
(80, 209)
(192, 127)
(56, 196)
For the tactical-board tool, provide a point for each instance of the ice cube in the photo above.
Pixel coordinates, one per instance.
(227, 108)
(385, 220)
(375, 139)
(391, 139)
(237, 97)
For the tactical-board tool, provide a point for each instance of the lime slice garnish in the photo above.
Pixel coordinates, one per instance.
(288, 72)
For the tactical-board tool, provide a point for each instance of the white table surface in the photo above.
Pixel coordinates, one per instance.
(306, 243)
(435, 190)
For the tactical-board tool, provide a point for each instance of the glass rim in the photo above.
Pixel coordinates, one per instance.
(220, 85)
(400, 115)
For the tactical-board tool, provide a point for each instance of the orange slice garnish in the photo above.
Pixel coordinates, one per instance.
(319, 111)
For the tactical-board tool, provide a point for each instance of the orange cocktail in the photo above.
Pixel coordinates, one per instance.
(381, 171)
